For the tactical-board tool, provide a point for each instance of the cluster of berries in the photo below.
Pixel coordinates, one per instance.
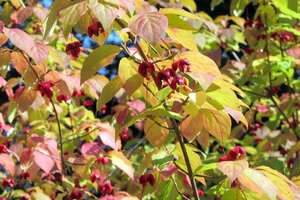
(167, 77)
(284, 36)
(236, 153)
(73, 49)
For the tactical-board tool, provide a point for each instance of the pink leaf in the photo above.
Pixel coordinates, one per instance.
(137, 105)
(150, 26)
(232, 169)
(39, 52)
(122, 116)
(169, 170)
(90, 149)
(7, 162)
(2, 82)
(24, 14)
(36, 50)
(42, 158)
(41, 13)
(107, 134)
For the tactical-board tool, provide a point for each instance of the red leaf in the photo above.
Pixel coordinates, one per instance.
(90, 149)
(137, 105)
(7, 162)
(36, 50)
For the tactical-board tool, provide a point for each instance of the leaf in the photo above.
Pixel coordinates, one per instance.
(178, 11)
(19, 61)
(263, 182)
(71, 15)
(104, 13)
(201, 169)
(90, 148)
(7, 163)
(190, 128)
(99, 58)
(232, 169)
(150, 26)
(283, 183)
(193, 156)
(26, 99)
(190, 4)
(36, 50)
(52, 17)
(1, 26)
(131, 80)
(201, 64)
(217, 123)
(122, 162)
(237, 7)
(42, 157)
(289, 7)
(107, 134)
(109, 91)
(3, 39)
(183, 37)
(156, 134)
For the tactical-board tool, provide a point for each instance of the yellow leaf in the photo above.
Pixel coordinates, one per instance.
(156, 134)
(122, 162)
(183, 37)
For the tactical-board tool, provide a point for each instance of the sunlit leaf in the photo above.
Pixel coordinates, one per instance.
(155, 132)
(109, 91)
(121, 162)
(99, 58)
(232, 169)
(7, 163)
(150, 26)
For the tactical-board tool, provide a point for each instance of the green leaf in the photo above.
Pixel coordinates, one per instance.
(71, 15)
(289, 7)
(109, 91)
(237, 7)
(193, 156)
(215, 3)
(155, 133)
(205, 167)
(131, 80)
(163, 93)
(52, 17)
(99, 58)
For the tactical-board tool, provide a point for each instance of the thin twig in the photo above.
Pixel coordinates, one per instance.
(79, 137)
(178, 190)
(60, 136)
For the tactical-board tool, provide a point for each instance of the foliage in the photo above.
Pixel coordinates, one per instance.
(199, 108)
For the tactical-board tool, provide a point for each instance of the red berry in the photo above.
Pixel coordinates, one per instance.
(62, 97)
(73, 49)
(87, 103)
(78, 93)
(234, 184)
(181, 81)
(103, 109)
(151, 179)
(200, 193)
(249, 50)
(46, 88)
(145, 68)
(3, 148)
(261, 37)
(182, 65)
(105, 189)
(26, 130)
(24, 175)
(248, 23)
(76, 193)
(95, 177)
(8, 182)
(102, 160)
(125, 137)
(143, 179)
(262, 108)
(95, 28)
